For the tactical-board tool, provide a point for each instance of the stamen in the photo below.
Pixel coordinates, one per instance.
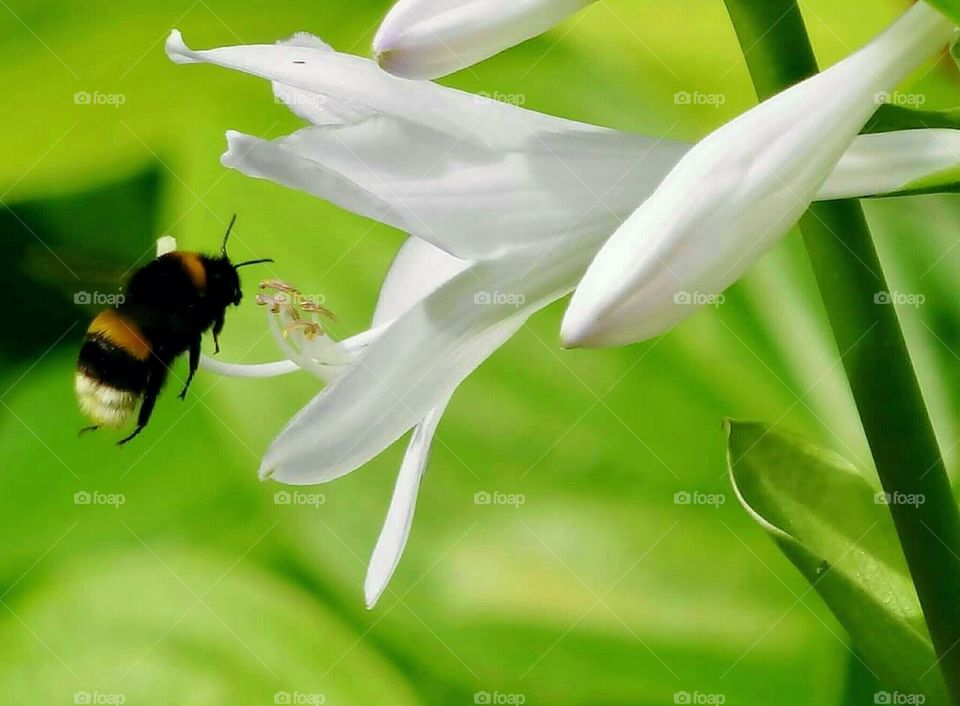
(269, 301)
(279, 285)
(296, 327)
(317, 309)
(310, 329)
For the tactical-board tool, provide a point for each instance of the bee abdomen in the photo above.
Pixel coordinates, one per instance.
(112, 369)
(104, 404)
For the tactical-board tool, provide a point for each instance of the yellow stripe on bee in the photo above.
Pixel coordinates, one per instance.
(122, 332)
(193, 265)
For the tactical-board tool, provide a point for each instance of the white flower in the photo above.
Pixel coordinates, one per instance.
(474, 176)
(739, 190)
(526, 200)
(431, 38)
(437, 319)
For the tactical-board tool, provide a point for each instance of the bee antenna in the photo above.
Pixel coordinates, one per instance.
(226, 236)
(252, 262)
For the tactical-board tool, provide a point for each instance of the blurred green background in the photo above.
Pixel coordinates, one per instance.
(599, 589)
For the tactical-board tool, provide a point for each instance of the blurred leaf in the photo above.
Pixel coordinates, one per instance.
(200, 631)
(70, 251)
(951, 8)
(829, 522)
(889, 118)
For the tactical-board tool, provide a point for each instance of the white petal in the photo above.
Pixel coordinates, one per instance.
(361, 84)
(472, 175)
(418, 360)
(396, 527)
(470, 202)
(314, 107)
(738, 191)
(417, 270)
(431, 38)
(891, 161)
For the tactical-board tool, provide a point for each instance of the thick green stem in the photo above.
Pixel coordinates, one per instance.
(875, 355)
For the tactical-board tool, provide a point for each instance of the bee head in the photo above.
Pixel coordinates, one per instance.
(224, 278)
(223, 282)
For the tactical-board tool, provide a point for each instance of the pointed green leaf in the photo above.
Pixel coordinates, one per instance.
(889, 118)
(835, 527)
(951, 8)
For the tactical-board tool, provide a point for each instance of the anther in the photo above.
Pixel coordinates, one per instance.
(317, 309)
(267, 300)
(310, 330)
(279, 285)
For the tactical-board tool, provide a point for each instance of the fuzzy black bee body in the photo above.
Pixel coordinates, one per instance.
(128, 350)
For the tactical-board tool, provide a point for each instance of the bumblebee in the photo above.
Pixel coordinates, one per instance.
(128, 350)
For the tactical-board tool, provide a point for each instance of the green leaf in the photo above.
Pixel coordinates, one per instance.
(834, 526)
(955, 51)
(889, 118)
(161, 625)
(951, 8)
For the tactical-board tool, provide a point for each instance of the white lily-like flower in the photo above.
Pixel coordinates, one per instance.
(437, 319)
(477, 177)
(432, 38)
(524, 199)
(739, 190)
(298, 327)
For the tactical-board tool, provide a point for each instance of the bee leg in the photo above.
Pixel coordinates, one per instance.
(194, 364)
(86, 429)
(217, 330)
(129, 436)
(155, 380)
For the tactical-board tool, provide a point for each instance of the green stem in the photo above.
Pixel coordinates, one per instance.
(875, 356)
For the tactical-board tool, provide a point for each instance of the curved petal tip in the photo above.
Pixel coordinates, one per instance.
(177, 50)
(372, 590)
(581, 335)
(267, 470)
(385, 59)
(583, 325)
